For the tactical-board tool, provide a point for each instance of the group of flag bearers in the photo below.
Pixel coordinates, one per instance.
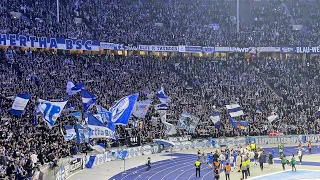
(243, 158)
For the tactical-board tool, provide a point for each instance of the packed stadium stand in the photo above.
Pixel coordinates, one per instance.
(281, 84)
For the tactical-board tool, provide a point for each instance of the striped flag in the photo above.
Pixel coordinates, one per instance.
(234, 110)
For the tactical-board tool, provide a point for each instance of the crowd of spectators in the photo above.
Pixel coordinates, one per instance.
(288, 88)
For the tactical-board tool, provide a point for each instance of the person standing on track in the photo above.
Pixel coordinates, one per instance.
(293, 163)
(300, 155)
(309, 147)
(283, 161)
(227, 170)
(216, 173)
(262, 159)
(197, 164)
(244, 169)
(270, 160)
(148, 164)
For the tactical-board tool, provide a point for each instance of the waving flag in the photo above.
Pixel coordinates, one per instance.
(71, 133)
(73, 88)
(161, 107)
(170, 129)
(237, 124)
(19, 104)
(82, 134)
(99, 147)
(88, 99)
(104, 113)
(162, 96)
(215, 118)
(318, 112)
(122, 110)
(188, 122)
(259, 111)
(272, 117)
(51, 110)
(234, 110)
(141, 108)
(97, 129)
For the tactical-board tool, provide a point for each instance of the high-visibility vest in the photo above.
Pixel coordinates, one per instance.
(244, 165)
(197, 163)
(228, 169)
(217, 163)
(248, 163)
(253, 146)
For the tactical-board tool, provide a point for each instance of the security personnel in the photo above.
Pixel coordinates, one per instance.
(244, 169)
(216, 164)
(227, 170)
(248, 166)
(253, 146)
(197, 164)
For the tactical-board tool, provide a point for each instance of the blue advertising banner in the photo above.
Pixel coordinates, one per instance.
(48, 42)
(288, 50)
(193, 48)
(208, 49)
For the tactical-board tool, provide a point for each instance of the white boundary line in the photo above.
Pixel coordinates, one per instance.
(256, 177)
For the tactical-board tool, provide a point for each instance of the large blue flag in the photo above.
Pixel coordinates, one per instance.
(122, 110)
(73, 88)
(98, 129)
(88, 99)
(51, 110)
(71, 133)
(82, 134)
(162, 96)
(238, 124)
(104, 113)
(19, 104)
(141, 108)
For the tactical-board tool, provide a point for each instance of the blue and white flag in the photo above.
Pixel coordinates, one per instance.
(188, 122)
(51, 110)
(98, 129)
(162, 96)
(215, 118)
(259, 111)
(122, 110)
(19, 104)
(73, 88)
(161, 107)
(141, 108)
(272, 117)
(82, 134)
(122, 154)
(70, 133)
(163, 142)
(77, 115)
(104, 113)
(88, 99)
(170, 129)
(99, 147)
(234, 110)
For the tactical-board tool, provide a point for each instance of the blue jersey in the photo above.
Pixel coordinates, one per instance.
(272, 152)
(210, 158)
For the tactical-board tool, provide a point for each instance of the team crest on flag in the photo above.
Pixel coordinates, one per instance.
(188, 122)
(51, 110)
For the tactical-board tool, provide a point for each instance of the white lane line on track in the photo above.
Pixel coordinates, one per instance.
(185, 160)
(174, 171)
(164, 170)
(195, 173)
(145, 168)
